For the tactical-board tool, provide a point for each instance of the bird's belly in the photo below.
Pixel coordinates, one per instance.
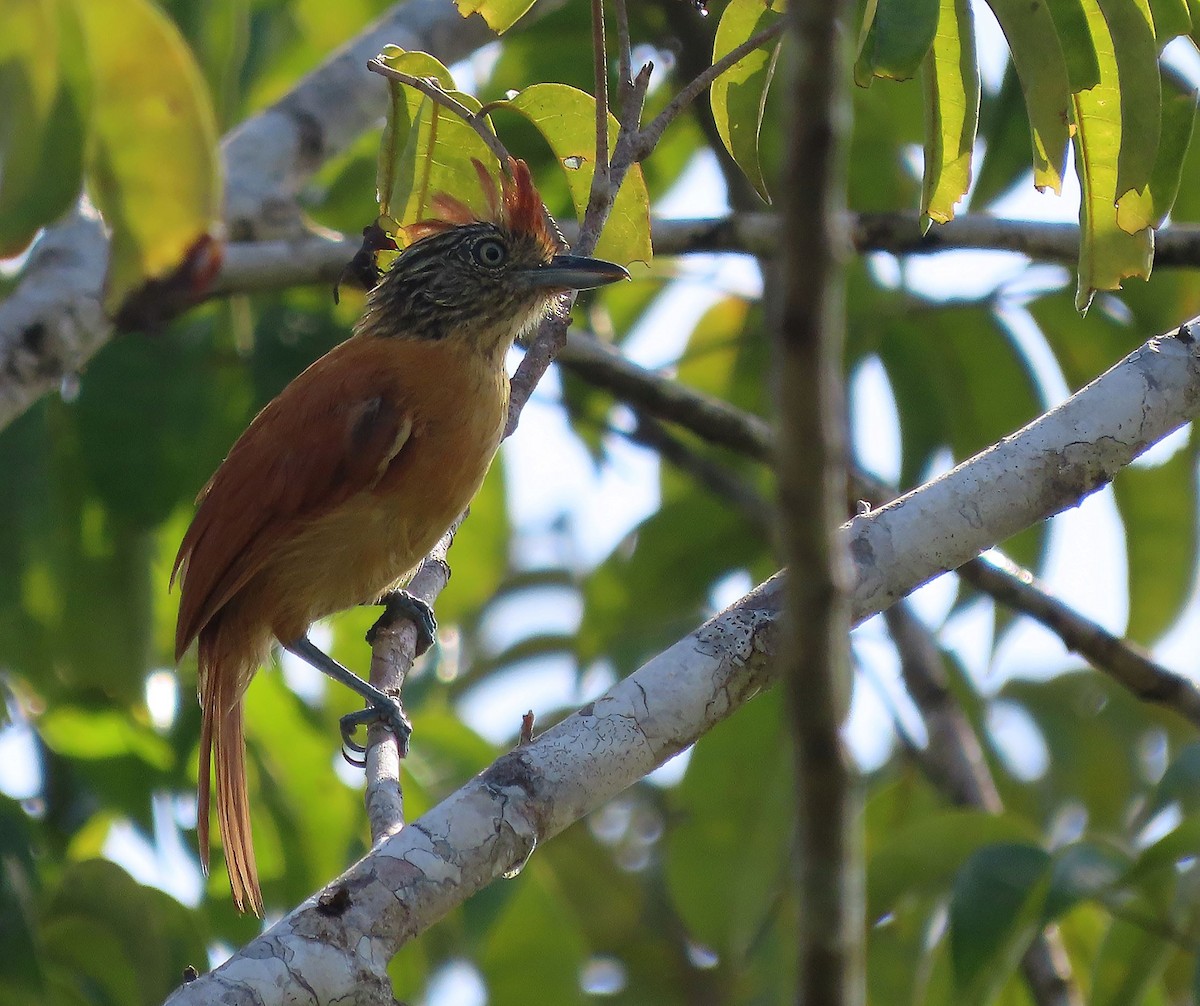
(374, 541)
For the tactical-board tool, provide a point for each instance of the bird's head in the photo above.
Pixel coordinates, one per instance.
(482, 280)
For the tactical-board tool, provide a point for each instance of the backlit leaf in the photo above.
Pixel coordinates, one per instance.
(566, 118)
(153, 160)
(951, 78)
(499, 14)
(44, 92)
(1070, 21)
(1108, 253)
(897, 38)
(1178, 121)
(739, 95)
(1132, 32)
(1042, 70)
(426, 148)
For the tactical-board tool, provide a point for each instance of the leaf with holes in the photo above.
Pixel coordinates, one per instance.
(153, 159)
(566, 118)
(739, 95)
(500, 15)
(951, 79)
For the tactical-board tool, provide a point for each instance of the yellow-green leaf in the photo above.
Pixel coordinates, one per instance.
(739, 95)
(43, 91)
(566, 117)
(425, 148)
(1107, 253)
(1038, 57)
(898, 34)
(153, 158)
(951, 78)
(1132, 32)
(500, 15)
(1076, 42)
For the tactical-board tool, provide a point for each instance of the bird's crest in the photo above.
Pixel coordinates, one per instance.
(516, 207)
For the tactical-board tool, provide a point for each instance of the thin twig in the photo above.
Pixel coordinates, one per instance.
(624, 63)
(1121, 659)
(434, 92)
(650, 136)
(600, 169)
(955, 764)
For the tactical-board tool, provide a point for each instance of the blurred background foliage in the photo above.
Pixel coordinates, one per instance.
(677, 891)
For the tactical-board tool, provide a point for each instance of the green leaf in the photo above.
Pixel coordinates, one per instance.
(1038, 57)
(1178, 120)
(1004, 126)
(426, 149)
(1108, 253)
(951, 78)
(154, 163)
(1158, 508)
(500, 15)
(1130, 960)
(566, 117)
(44, 92)
(1070, 21)
(1132, 31)
(995, 909)
(925, 855)
(739, 95)
(1082, 871)
(898, 35)
(87, 734)
(1171, 18)
(744, 821)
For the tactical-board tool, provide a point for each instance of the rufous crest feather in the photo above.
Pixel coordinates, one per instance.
(518, 208)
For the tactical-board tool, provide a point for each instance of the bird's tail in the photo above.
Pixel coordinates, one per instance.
(222, 741)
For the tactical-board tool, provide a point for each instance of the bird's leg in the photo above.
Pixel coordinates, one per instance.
(384, 708)
(402, 604)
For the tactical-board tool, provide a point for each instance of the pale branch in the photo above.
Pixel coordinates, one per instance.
(336, 946)
(724, 425)
(393, 649)
(53, 322)
(429, 87)
(955, 763)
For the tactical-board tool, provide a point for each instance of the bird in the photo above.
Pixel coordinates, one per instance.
(344, 482)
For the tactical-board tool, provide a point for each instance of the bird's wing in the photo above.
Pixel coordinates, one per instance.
(331, 433)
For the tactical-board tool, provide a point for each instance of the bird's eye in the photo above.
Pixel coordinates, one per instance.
(490, 253)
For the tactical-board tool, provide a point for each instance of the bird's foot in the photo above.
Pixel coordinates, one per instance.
(402, 604)
(386, 710)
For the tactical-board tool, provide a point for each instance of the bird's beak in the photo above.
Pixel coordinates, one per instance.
(574, 272)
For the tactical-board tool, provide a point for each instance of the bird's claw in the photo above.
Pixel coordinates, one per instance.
(402, 604)
(390, 713)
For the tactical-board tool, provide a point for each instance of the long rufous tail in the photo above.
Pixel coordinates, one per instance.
(222, 741)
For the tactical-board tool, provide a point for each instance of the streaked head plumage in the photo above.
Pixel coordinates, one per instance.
(484, 277)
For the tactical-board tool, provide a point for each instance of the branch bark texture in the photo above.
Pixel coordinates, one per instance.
(336, 947)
